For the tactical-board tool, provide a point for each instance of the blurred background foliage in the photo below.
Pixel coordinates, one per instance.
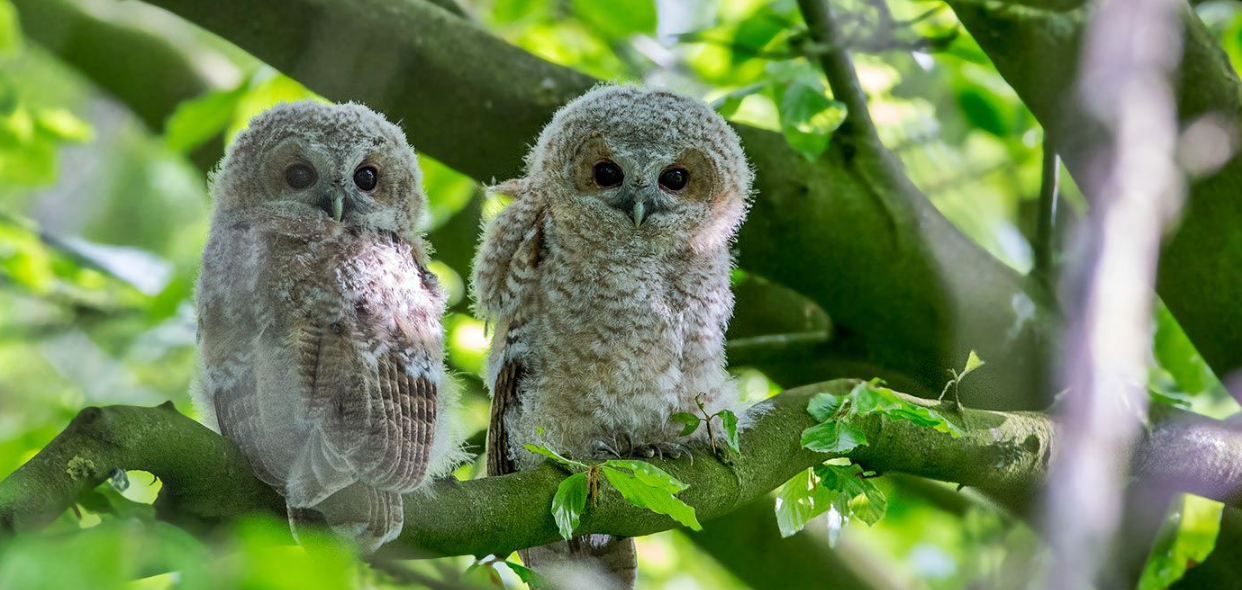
(104, 212)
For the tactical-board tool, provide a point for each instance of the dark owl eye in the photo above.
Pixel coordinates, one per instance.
(608, 174)
(674, 179)
(299, 176)
(366, 178)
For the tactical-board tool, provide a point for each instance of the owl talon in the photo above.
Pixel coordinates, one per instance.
(602, 450)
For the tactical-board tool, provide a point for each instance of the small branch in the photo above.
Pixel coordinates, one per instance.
(747, 351)
(838, 66)
(207, 481)
(1045, 241)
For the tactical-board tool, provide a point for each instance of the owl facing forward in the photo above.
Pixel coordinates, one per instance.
(607, 282)
(320, 338)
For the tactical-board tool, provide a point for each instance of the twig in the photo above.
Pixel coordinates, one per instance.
(838, 66)
(1045, 240)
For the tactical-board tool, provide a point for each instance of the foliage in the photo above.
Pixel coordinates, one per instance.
(640, 483)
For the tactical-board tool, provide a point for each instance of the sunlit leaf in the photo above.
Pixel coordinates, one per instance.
(64, 125)
(1186, 539)
(728, 420)
(197, 120)
(568, 504)
(833, 437)
(972, 362)
(858, 496)
(866, 399)
(799, 500)
(728, 104)
(649, 474)
(526, 574)
(654, 498)
(553, 455)
(10, 30)
(808, 118)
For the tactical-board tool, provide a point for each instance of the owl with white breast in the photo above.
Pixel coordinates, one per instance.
(320, 337)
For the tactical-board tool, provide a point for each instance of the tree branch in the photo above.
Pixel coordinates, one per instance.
(206, 480)
(838, 66)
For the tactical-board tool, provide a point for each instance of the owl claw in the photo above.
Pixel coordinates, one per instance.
(602, 450)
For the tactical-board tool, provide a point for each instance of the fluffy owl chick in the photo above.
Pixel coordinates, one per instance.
(320, 341)
(607, 283)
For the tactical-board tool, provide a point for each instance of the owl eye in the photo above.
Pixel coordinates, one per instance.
(366, 178)
(608, 174)
(299, 176)
(674, 179)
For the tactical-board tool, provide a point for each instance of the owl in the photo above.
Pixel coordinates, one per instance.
(319, 325)
(606, 281)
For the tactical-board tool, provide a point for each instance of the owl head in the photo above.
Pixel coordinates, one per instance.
(633, 165)
(307, 160)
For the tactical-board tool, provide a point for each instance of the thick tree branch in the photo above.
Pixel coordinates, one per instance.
(206, 479)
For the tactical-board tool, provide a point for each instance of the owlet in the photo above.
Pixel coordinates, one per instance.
(607, 281)
(319, 325)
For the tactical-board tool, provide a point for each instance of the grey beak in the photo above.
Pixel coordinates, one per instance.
(338, 206)
(638, 213)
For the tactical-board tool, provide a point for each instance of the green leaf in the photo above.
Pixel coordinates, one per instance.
(871, 505)
(833, 437)
(618, 18)
(568, 504)
(655, 499)
(824, 406)
(63, 125)
(808, 118)
(753, 34)
(10, 30)
(728, 104)
(197, 120)
(798, 501)
(526, 574)
(925, 417)
(858, 496)
(972, 362)
(691, 422)
(868, 399)
(649, 474)
(729, 421)
(553, 455)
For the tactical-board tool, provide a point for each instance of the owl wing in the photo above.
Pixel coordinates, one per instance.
(508, 254)
(507, 261)
(370, 379)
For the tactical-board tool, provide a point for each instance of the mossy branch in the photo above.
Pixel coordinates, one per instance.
(206, 479)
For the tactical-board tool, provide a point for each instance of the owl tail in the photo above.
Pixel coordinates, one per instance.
(602, 562)
(360, 514)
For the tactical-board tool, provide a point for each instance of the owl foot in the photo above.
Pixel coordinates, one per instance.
(602, 450)
(670, 449)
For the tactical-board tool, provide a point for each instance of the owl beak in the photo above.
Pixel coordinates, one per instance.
(338, 207)
(637, 214)
(336, 204)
